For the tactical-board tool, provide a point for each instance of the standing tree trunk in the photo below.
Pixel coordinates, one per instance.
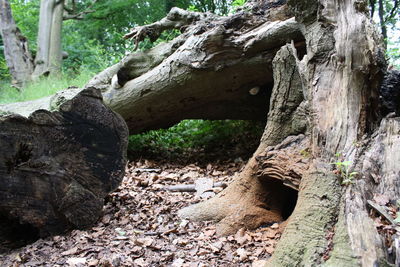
(16, 52)
(49, 55)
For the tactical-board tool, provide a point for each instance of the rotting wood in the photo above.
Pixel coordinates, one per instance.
(57, 165)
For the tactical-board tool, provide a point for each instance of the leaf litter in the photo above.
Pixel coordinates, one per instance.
(140, 226)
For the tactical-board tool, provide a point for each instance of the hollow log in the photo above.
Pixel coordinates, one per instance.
(59, 162)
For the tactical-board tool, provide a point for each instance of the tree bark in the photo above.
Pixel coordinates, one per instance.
(58, 163)
(49, 55)
(16, 52)
(324, 102)
(320, 71)
(186, 73)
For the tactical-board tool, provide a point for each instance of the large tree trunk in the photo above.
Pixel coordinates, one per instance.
(16, 52)
(58, 161)
(206, 73)
(49, 55)
(340, 75)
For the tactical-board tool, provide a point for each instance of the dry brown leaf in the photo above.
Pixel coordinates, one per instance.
(140, 262)
(259, 263)
(269, 250)
(242, 253)
(241, 236)
(216, 246)
(270, 233)
(178, 263)
(76, 261)
(146, 241)
(93, 262)
(148, 217)
(382, 200)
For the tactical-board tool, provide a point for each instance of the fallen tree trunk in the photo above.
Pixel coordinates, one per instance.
(57, 165)
(208, 72)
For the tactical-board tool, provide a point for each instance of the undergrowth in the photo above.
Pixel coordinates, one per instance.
(44, 87)
(199, 140)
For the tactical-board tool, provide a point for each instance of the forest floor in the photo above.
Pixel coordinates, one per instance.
(140, 226)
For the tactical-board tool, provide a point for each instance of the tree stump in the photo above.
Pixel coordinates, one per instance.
(58, 163)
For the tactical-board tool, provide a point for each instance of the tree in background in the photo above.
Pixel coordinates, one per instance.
(49, 54)
(386, 13)
(16, 52)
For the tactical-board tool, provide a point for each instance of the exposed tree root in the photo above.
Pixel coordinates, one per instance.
(258, 196)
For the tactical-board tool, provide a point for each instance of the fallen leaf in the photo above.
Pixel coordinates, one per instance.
(242, 253)
(202, 185)
(75, 261)
(93, 262)
(382, 200)
(178, 263)
(241, 237)
(147, 241)
(269, 250)
(69, 252)
(259, 263)
(140, 262)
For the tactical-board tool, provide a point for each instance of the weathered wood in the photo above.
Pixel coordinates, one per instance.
(287, 161)
(258, 196)
(57, 165)
(187, 72)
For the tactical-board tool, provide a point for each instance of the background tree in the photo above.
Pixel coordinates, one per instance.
(15, 47)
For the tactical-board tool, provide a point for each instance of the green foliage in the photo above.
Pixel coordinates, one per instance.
(85, 55)
(26, 15)
(113, 19)
(44, 87)
(387, 18)
(343, 169)
(194, 135)
(237, 3)
(393, 52)
(4, 74)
